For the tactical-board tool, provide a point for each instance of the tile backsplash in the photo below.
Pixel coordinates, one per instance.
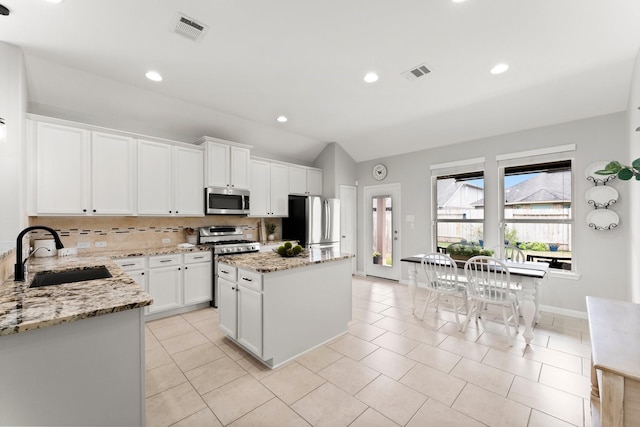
(125, 233)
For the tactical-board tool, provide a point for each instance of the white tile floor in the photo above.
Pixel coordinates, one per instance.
(390, 369)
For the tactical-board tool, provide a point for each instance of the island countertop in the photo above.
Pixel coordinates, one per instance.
(23, 308)
(268, 262)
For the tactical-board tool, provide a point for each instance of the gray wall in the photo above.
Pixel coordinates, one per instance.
(633, 122)
(13, 106)
(602, 258)
(338, 167)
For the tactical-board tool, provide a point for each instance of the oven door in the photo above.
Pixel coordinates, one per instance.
(226, 201)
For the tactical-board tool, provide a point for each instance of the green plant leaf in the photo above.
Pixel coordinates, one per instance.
(614, 166)
(625, 174)
(604, 172)
(636, 163)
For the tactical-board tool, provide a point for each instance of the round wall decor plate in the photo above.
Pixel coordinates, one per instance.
(602, 219)
(591, 175)
(601, 196)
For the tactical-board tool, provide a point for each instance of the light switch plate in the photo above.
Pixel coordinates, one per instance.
(83, 245)
(101, 244)
(166, 240)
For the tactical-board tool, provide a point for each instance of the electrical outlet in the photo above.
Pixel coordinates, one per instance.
(166, 240)
(249, 236)
(101, 244)
(67, 252)
(83, 245)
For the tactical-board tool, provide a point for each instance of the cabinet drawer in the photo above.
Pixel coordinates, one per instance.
(164, 260)
(193, 257)
(227, 272)
(133, 263)
(250, 279)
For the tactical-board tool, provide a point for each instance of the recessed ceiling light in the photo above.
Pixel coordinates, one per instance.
(282, 119)
(499, 69)
(458, 1)
(55, 1)
(371, 77)
(154, 76)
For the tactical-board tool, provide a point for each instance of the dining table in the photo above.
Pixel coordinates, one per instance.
(528, 274)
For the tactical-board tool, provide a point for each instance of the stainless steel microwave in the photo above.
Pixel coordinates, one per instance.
(226, 201)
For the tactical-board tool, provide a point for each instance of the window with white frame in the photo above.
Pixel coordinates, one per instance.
(458, 201)
(537, 207)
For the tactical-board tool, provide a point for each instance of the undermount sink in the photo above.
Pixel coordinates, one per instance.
(47, 278)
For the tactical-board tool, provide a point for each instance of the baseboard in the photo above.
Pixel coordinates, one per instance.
(359, 273)
(563, 311)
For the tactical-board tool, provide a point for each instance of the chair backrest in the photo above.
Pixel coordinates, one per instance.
(508, 252)
(488, 278)
(441, 271)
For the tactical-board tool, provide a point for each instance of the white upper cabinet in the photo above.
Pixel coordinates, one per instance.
(112, 174)
(305, 181)
(62, 172)
(188, 181)
(227, 163)
(269, 189)
(170, 180)
(154, 178)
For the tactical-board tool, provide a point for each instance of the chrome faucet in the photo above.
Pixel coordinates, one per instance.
(19, 268)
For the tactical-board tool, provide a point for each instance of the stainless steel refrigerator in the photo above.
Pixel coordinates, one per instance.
(314, 221)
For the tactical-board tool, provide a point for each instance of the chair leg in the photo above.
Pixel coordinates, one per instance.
(469, 314)
(516, 319)
(505, 318)
(455, 310)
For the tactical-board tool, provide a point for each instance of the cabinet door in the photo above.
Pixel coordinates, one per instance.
(260, 196)
(198, 286)
(250, 320)
(62, 169)
(218, 173)
(314, 182)
(279, 191)
(240, 159)
(165, 286)
(297, 180)
(227, 307)
(188, 181)
(154, 178)
(113, 178)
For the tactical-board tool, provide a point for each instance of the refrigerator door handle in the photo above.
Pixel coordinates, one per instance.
(327, 219)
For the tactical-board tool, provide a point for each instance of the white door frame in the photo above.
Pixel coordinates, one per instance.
(392, 189)
(346, 215)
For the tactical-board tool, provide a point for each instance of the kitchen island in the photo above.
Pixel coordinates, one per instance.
(72, 354)
(278, 308)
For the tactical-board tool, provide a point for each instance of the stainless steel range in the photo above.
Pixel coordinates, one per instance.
(225, 240)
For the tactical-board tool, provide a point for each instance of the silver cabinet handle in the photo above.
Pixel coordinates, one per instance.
(224, 271)
(165, 260)
(126, 265)
(198, 257)
(247, 279)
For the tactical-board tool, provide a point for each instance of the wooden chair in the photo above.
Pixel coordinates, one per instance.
(489, 282)
(442, 279)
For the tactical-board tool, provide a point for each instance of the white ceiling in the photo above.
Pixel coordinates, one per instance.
(86, 59)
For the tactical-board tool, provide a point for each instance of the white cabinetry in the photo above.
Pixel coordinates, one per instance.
(269, 189)
(169, 180)
(113, 175)
(83, 173)
(188, 181)
(197, 277)
(305, 181)
(62, 169)
(227, 163)
(165, 282)
(240, 307)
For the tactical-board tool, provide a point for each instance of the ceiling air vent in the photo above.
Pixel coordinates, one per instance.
(414, 73)
(189, 28)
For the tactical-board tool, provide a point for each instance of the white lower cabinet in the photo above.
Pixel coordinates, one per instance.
(165, 282)
(228, 307)
(175, 281)
(240, 308)
(197, 277)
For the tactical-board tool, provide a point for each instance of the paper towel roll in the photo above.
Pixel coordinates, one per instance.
(44, 243)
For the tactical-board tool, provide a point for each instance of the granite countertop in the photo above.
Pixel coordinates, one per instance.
(24, 309)
(268, 262)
